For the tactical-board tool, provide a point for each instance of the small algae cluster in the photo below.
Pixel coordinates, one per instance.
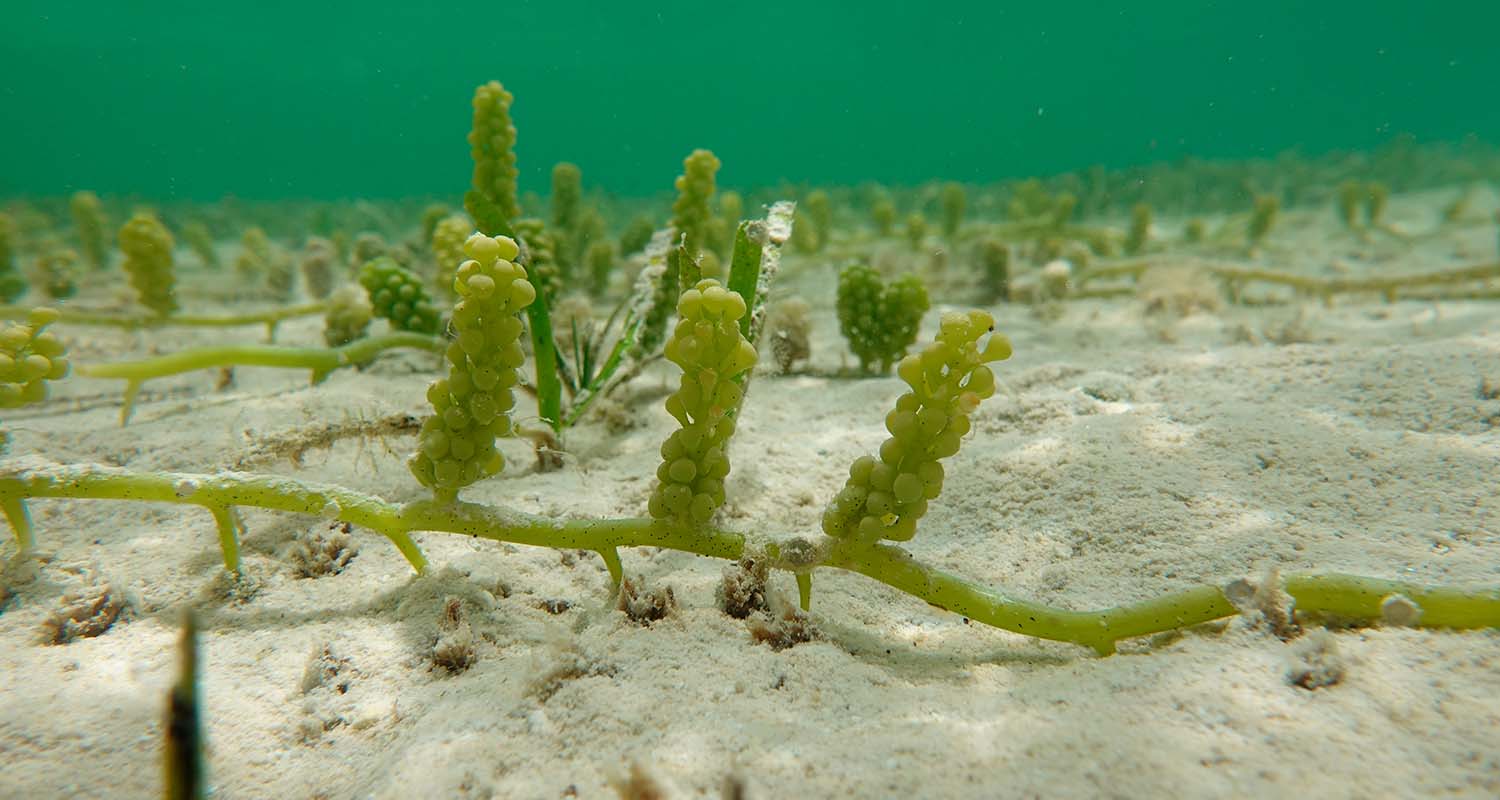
(148, 261)
(471, 407)
(714, 354)
(880, 320)
(690, 212)
(12, 285)
(492, 141)
(886, 495)
(30, 357)
(89, 220)
(399, 296)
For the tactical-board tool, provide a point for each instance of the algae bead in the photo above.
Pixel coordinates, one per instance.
(907, 488)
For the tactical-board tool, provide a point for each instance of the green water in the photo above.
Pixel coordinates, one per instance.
(279, 100)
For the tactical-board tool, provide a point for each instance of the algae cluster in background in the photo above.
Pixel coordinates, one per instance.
(178, 101)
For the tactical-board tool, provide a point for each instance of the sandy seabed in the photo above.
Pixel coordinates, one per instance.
(1123, 458)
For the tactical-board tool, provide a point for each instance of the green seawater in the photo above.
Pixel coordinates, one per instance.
(281, 100)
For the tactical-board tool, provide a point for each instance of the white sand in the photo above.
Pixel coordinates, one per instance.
(1112, 467)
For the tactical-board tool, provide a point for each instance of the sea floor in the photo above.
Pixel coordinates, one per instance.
(1126, 455)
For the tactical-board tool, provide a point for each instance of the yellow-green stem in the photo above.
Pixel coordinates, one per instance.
(320, 360)
(1345, 596)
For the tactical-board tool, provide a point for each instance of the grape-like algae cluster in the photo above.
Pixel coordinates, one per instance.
(30, 356)
(712, 352)
(879, 320)
(471, 407)
(886, 495)
(399, 296)
(148, 261)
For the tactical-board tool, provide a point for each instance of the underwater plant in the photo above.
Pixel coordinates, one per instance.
(148, 261)
(947, 381)
(318, 267)
(492, 143)
(994, 264)
(471, 407)
(804, 236)
(1031, 203)
(884, 497)
(89, 222)
(714, 354)
(256, 254)
(12, 285)
(706, 336)
(55, 272)
(567, 210)
(695, 190)
(30, 356)
(447, 238)
(431, 216)
(789, 328)
(591, 227)
(636, 235)
(398, 296)
(883, 214)
(348, 315)
(880, 320)
(541, 257)
(7, 242)
(954, 199)
(1139, 231)
(595, 361)
(819, 208)
(916, 230)
(198, 239)
(1362, 205)
(368, 246)
(599, 265)
(567, 195)
(1194, 231)
(1267, 208)
(1348, 199)
(1377, 197)
(731, 212)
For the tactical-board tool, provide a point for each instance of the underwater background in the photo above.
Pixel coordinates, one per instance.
(195, 101)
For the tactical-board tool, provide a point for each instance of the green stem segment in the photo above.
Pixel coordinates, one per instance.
(1387, 285)
(230, 528)
(1344, 596)
(321, 360)
(1360, 598)
(1095, 629)
(72, 316)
